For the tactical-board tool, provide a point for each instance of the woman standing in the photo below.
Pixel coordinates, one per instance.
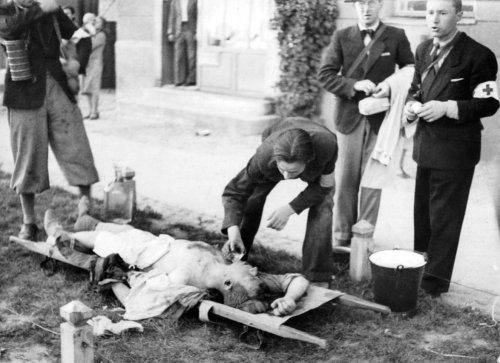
(92, 80)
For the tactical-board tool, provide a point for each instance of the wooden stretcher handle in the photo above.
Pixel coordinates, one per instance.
(356, 302)
(257, 321)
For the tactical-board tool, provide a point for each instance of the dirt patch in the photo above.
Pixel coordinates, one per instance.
(434, 339)
(32, 354)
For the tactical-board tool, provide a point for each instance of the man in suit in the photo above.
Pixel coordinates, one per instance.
(294, 148)
(351, 80)
(182, 22)
(453, 87)
(42, 109)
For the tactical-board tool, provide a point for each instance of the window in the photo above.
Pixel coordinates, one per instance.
(237, 24)
(416, 8)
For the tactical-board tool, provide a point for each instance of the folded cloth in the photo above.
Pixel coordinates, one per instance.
(102, 325)
(371, 105)
(152, 292)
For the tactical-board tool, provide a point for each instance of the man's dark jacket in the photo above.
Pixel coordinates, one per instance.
(449, 143)
(43, 52)
(262, 169)
(391, 49)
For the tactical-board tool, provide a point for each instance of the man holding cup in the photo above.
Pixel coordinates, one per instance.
(453, 88)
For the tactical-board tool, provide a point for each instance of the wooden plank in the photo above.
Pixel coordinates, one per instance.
(42, 248)
(356, 302)
(258, 321)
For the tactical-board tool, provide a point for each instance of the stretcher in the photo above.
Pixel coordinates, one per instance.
(208, 310)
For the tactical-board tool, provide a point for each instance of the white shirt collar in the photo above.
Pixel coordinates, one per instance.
(373, 27)
(445, 43)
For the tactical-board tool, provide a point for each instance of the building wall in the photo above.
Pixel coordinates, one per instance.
(138, 46)
(140, 41)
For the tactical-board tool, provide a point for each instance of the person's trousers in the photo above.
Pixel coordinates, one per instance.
(57, 123)
(440, 203)
(317, 257)
(355, 150)
(83, 260)
(185, 57)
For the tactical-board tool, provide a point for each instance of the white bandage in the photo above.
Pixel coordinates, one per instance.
(486, 90)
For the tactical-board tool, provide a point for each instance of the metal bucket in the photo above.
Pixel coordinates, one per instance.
(396, 276)
(17, 57)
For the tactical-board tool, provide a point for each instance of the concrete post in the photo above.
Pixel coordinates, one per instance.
(361, 247)
(77, 340)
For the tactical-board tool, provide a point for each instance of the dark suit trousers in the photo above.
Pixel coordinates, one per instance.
(185, 57)
(440, 202)
(317, 260)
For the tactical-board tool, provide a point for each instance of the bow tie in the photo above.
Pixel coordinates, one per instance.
(366, 32)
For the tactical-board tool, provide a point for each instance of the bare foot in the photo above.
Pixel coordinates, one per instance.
(51, 224)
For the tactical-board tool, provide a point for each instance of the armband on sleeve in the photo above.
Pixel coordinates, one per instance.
(486, 90)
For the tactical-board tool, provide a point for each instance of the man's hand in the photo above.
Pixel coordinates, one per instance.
(170, 37)
(234, 248)
(410, 110)
(279, 218)
(254, 306)
(382, 90)
(366, 86)
(283, 306)
(433, 110)
(48, 6)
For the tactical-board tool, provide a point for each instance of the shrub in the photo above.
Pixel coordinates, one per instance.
(304, 28)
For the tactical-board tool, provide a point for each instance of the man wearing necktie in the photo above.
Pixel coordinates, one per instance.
(356, 134)
(453, 88)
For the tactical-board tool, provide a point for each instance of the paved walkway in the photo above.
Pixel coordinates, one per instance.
(182, 175)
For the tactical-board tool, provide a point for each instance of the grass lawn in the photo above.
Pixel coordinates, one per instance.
(30, 298)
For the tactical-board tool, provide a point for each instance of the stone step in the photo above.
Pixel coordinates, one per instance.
(197, 117)
(209, 101)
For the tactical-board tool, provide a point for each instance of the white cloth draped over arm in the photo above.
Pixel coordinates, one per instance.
(384, 161)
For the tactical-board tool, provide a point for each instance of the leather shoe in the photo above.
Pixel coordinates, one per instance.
(29, 231)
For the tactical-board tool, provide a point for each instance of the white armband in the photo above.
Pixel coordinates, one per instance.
(327, 180)
(486, 90)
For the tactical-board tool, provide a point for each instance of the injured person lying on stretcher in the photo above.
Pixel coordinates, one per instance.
(113, 251)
